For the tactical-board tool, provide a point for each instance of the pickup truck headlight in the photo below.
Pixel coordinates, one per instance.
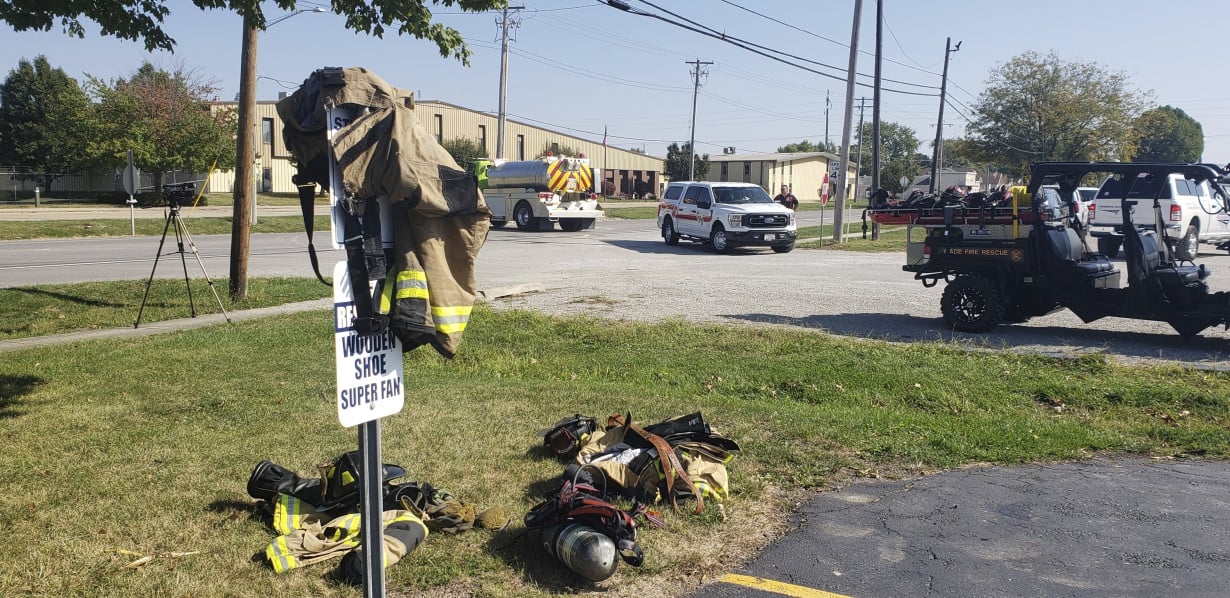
(736, 220)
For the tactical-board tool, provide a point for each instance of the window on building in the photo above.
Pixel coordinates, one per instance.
(747, 172)
(482, 137)
(725, 171)
(554, 148)
(439, 128)
(520, 147)
(267, 131)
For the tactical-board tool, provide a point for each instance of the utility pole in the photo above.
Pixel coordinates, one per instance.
(875, 114)
(839, 207)
(939, 126)
(505, 24)
(858, 166)
(827, 105)
(241, 213)
(696, 74)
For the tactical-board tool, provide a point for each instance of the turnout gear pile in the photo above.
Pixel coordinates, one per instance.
(676, 459)
(426, 287)
(317, 518)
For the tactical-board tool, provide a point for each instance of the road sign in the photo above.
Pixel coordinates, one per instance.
(369, 367)
(130, 177)
(905, 180)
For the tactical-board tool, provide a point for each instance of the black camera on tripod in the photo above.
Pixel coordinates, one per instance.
(177, 194)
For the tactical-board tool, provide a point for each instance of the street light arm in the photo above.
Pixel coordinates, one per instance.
(297, 12)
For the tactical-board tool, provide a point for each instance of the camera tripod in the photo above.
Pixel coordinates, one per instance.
(181, 236)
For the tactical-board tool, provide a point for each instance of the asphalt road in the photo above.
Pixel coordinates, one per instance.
(1127, 527)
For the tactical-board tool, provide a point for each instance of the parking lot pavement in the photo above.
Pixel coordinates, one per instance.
(1113, 527)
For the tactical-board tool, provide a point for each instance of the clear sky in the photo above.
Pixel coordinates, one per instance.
(581, 67)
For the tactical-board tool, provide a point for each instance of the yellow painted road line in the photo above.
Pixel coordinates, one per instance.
(777, 587)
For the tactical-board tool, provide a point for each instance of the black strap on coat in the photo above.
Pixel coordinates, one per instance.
(307, 204)
(365, 261)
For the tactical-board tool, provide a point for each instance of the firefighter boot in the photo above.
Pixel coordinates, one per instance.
(270, 479)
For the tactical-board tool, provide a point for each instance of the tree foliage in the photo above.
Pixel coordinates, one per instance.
(141, 20)
(675, 167)
(806, 146)
(1035, 108)
(898, 146)
(555, 148)
(464, 150)
(165, 118)
(44, 121)
(1168, 134)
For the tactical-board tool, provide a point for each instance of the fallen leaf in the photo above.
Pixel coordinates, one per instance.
(138, 562)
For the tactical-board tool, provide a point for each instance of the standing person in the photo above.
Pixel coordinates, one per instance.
(786, 198)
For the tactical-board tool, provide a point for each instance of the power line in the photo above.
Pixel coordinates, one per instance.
(725, 36)
(620, 4)
(816, 35)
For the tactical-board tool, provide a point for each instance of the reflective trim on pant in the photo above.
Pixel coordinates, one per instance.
(451, 320)
(280, 556)
(408, 284)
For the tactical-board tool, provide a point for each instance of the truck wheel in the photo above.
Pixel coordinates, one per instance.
(523, 215)
(972, 304)
(1189, 246)
(1109, 246)
(571, 225)
(719, 240)
(498, 223)
(668, 232)
(783, 248)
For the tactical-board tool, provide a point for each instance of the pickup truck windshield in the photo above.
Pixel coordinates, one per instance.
(741, 195)
(1145, 188)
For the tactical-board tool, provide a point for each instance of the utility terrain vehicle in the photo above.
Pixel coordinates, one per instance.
(1014, 256)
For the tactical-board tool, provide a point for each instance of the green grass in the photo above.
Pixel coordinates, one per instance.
(108, 227)
(212, 199)
(892, 238)
(145, 444)
(53, 309)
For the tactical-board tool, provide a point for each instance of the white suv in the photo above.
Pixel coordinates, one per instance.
(725, 215)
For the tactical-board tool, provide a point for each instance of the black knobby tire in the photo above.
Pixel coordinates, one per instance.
(523, 215)
(972, 304)
(669, 234)
(1109, 246)
(1188, 247)
(783, 248)
(719, 240)
(571, 225)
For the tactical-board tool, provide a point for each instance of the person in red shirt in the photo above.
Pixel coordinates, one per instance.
(786, 198)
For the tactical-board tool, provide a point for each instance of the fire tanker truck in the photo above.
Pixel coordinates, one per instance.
(535, 194)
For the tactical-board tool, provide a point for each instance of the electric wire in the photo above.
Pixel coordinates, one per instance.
(731, 41)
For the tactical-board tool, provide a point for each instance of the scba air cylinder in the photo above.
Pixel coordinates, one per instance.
(586, 551)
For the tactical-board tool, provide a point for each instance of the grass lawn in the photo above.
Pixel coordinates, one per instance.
(53, 309)
(113, 227)
(120, 448)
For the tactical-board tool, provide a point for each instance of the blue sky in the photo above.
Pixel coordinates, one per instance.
(579, 66)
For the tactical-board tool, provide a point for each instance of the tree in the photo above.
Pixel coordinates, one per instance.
(805, 146)
(898, 146)
(464, 150)
(555, 148)
(1168, 134)
(675, 167)
(141, 20)
(44, 121)
(165, 119)
(1035, 108)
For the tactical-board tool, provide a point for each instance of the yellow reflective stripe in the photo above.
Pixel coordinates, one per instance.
(287, 514)
(411, 284)
(450, 320)
(280, 556)
(386, 298)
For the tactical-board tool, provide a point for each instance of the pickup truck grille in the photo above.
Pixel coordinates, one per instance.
(766, 220)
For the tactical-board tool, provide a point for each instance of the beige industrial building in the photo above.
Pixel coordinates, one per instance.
(803, 171)
(623, 171)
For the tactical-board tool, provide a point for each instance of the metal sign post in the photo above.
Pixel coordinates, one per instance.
(369, 380)
(130, 178)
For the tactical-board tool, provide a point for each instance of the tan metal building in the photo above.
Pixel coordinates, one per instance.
(803, 171)
(625, 172)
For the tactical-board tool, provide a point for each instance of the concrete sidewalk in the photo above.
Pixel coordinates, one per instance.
(150, 328)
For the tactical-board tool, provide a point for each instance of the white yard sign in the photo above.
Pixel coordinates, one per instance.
(369, 367)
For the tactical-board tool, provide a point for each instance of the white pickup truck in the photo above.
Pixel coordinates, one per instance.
(725, 215)
(1191, 213)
